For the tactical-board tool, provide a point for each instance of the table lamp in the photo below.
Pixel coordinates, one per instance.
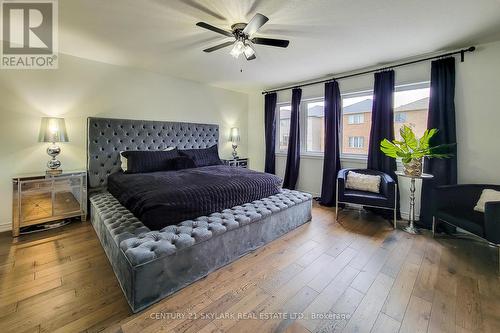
(53, 130)
(234, 137)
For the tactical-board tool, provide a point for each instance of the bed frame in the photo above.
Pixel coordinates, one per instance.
(150, 265)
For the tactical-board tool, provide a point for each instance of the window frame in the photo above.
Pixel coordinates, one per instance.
(361, 142)
(354, 116)
(400, 113)
(303, 130)
(343, 155)
(278, 128)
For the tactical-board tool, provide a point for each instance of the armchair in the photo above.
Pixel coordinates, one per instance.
(454, 204)
(386, 199)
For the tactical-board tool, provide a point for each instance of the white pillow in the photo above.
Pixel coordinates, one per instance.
(362, 182)
(486, 196)
(123, 159)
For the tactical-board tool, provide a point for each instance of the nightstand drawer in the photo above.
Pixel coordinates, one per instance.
(240, 162)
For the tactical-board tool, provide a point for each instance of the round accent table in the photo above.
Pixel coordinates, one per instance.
(410, 228)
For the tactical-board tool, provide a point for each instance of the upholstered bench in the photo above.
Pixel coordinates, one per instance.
(151, 265)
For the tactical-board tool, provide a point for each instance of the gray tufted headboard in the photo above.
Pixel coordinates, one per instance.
(107, 137)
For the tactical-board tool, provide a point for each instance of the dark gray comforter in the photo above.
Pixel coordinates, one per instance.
(164, 198)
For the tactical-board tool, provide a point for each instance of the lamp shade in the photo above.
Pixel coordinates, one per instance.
(52, 130)
(234, 136)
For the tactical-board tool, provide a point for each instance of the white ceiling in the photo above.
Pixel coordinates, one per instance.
(326, 36)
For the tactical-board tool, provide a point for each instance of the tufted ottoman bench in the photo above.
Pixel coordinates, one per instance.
(151, 265)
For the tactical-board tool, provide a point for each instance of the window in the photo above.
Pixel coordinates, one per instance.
(400, 117)
(356, 119)
(356, 141)
(315, 133)
(411, 107)
(284, 126)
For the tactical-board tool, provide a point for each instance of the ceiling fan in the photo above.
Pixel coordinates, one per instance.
(243, 40)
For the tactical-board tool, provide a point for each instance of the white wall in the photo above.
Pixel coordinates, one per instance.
(82, 88)
(477, 112)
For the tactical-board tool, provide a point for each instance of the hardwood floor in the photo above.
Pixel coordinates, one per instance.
(356, 275)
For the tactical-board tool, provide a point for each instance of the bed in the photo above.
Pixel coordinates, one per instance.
(155, 259)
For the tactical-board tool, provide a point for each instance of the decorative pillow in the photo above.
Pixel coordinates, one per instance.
(123, 159)
(486, 196)
(362, 182)
(139, 161)
(183, 162)
(203, 157)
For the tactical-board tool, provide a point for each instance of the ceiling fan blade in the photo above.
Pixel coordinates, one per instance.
(215, 29)
(252, 57)
(255, 23)
(270, 41)
(216, 47)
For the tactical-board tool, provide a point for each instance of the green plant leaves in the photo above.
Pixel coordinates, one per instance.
(409, 137)
(413, 148)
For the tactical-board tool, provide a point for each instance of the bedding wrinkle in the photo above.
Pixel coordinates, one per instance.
(165, 198)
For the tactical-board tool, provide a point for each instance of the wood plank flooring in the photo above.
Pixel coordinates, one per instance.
(357, 275)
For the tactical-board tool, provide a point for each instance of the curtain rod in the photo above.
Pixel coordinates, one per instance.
(461, 52)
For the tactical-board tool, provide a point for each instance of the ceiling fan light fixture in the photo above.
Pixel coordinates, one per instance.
(238, 49)
(249, 51)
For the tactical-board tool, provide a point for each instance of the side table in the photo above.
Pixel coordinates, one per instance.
(410, 228)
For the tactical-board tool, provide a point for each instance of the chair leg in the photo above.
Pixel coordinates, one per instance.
(337, 202)
(498, 246)
(395, 205)
(433, 226)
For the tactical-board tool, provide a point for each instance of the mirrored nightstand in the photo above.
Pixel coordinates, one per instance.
(42, 198)
(239, 162)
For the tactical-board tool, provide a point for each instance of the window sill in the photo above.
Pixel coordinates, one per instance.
(312, 156)
(345, 158)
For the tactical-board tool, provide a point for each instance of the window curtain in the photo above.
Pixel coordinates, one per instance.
(331, 162)
(442, 117)
(382, 123)
(270, 131)
(383, 128)
(293, 155)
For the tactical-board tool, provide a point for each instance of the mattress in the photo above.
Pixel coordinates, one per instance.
(160, 199)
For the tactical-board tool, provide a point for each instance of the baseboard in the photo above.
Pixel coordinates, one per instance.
(5, 227)
(406, 216)
(311, 193)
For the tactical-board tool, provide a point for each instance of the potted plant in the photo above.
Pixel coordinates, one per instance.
(412, 150)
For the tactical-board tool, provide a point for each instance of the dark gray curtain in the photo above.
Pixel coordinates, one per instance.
(382, 123)
(442, 117)
(331, 162)
(270, 131)
(293, 156)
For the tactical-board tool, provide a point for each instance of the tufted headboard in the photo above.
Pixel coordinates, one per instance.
(107, 137)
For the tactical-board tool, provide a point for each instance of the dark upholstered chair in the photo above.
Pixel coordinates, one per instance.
(454, 204)
(386, 199)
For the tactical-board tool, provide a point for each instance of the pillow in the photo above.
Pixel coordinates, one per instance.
(183, 162)
(203, 157)
(123, 159)
(486, 196)
(139, 161)
(362, 182)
